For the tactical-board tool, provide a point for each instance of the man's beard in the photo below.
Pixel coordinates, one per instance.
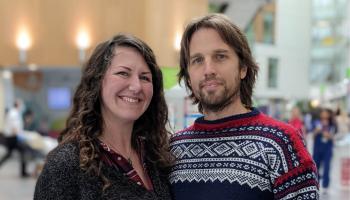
(218, 102)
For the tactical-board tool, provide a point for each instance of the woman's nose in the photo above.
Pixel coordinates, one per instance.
(135, 85)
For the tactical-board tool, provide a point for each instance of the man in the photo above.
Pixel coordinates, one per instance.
(13, 130)
(233, 151)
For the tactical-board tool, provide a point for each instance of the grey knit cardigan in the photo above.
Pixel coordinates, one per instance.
(62, 178)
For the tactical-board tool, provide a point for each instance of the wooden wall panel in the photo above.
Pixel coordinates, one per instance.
(53, 26)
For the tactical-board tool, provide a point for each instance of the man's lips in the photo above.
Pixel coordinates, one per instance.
(210, 84)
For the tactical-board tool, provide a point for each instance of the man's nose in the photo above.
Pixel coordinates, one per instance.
(209, 68)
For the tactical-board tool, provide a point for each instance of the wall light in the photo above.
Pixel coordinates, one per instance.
(23, 43)
(177, 41)
(83, 42)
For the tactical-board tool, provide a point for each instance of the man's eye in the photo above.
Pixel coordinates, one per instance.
(197, 61)
(220, 57)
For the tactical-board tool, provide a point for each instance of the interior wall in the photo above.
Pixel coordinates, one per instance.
(164, 21)
(53, 26)
(2, 109)
(36, 97)
(6, 94)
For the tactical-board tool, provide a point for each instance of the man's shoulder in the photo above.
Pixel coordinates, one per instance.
(278, 133)
(268, 121)
(181, 133)
(185, 130)
(285, 135)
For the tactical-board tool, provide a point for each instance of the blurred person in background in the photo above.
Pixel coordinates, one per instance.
(234, 151)
(343, 122)
(115, 144)
(44, 127)
(324, 133)
(13, 130)
(29, 120)
(296, 120)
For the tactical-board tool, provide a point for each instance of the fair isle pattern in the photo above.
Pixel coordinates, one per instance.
(242, 158)
(303, 178)
(248, 154)
(309, 193)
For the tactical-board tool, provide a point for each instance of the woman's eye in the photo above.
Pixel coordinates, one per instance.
(122, 73)
(146, 78)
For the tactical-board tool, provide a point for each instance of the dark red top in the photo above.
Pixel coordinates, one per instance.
(112, 158)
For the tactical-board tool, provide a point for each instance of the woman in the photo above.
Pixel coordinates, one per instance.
(323, 145)
(115, 145)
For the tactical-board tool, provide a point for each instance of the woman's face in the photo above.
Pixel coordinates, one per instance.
(127, 87)
(325, 116)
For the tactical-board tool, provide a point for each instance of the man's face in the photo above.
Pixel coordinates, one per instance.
(214, 70)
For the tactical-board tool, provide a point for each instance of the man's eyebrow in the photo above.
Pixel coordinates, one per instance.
(221, 51)
(215, 51)
(194, 55)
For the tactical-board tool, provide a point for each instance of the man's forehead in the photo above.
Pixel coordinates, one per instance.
(207, 40)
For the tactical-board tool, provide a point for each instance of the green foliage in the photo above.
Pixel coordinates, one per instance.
(170, 76)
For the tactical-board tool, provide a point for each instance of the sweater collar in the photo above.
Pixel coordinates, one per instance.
(254, 112)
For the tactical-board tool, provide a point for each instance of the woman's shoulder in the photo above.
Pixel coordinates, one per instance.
(65, 148)
(64, 154)
(60, 174)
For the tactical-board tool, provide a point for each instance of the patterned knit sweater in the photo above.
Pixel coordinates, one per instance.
(62, 178)
(248, 156)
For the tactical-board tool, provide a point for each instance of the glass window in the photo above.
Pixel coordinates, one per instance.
(272, 73)
(262, 27)
(250, 34)
(268, 27)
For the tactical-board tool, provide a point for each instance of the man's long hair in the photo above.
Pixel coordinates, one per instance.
(233, 37)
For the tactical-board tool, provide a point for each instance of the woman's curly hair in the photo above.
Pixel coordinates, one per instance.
(85, 122)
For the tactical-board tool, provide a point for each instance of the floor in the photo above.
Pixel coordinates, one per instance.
(12, 187)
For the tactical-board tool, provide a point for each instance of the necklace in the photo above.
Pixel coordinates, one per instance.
(128, 158)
